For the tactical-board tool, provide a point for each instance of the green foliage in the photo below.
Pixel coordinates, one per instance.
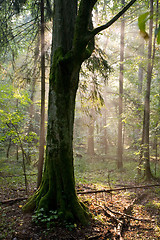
(157, 34)
(13, 104)
(70, 226)
(50, 220)
(142, 21)
(153, 205)
(14, 118)
(101, 169)
(18, 4)
(143, 18)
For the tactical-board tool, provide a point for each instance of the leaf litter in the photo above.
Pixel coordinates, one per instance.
(131, 214)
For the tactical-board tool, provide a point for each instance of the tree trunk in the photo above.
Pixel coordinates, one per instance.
(59, 157)
(105, 142)
(32, 105)
(57, 190)
(140, 84)
(140, 69)
(72, 44)
(90, 149)
(148, 173)
(120, 125)
(42, 125)
(9, 146)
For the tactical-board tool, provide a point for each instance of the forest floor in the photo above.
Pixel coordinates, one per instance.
(130, 214)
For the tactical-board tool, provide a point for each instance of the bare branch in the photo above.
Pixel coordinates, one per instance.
(114, 19)
(129, 216)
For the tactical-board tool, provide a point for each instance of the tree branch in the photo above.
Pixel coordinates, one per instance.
(114, 19)
(117, 189)
(11, 201)
(83, 23)
(128, 216)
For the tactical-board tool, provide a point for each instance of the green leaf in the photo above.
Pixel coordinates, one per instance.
(142, 25)
(142, 21)
(157, 34)
(158, 37)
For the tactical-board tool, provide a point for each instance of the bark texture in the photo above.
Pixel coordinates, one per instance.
(120, 124)
(42, 125)
(90, 149)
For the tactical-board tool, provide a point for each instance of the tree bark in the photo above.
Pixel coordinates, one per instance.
(42, 124)
(140, 84)
(148, 174)
(105, 141)
(120, 124)
(90, 149)
(140, 69)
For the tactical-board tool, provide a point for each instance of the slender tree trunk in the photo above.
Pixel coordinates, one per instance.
(105, 142)
(154, 50)
(140, 83)
(17, 155)
(9, 146)
(120, 125)
(31, 118)
(155, 145)
(90, 149)
(141, 147)
(42, 125)
(32, 107)
(140, 70)
(148, 173)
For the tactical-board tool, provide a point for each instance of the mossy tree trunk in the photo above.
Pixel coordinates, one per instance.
(73, 42)
(69, 50)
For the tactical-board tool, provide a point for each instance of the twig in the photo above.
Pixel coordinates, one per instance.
(95, 236)
(117, 189)
(10, 201)
(120, 223)
(128, 216)
(6, 176)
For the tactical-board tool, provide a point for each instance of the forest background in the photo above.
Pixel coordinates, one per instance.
(109, 136)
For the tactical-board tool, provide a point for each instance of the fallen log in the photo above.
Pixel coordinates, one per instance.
(117, 189)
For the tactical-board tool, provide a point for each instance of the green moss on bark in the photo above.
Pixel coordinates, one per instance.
(57, 191)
